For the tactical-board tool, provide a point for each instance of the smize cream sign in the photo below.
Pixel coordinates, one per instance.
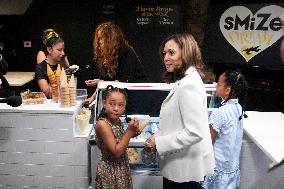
(251, 33)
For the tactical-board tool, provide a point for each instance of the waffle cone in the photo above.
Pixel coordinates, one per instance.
(143, 124)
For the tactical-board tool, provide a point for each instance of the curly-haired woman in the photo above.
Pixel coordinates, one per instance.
(114, 59)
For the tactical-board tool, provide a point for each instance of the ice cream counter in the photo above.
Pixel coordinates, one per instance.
(262, 145)
(40, 147)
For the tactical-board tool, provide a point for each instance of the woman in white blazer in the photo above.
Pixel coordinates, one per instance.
(183, 139)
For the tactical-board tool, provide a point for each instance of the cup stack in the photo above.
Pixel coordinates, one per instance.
(64, 90)
(72, 91)
(82, 121)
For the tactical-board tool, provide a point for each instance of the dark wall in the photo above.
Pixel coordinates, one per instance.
(145, 39)
(10, 39)
(76, 21)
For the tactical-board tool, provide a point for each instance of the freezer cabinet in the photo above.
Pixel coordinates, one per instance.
(146, 98)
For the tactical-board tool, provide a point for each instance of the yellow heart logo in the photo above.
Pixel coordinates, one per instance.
(249, 33)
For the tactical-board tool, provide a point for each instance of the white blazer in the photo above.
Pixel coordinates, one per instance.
(183, 139)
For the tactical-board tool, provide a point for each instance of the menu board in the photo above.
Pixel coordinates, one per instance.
(145, 14)
(157, 15)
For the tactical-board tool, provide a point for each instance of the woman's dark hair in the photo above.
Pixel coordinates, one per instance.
(236, 80)
(190, 54)
(110, 89)
(51, 39)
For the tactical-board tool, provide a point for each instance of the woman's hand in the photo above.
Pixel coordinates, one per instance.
(91, 98)
(92, 82)
(133, 127)
(150, 143)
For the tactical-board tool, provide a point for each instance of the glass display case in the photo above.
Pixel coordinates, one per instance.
(144, 102)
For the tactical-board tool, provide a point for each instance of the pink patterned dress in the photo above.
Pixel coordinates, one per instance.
(113, 173)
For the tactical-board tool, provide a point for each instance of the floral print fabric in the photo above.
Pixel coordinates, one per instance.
(113, 173)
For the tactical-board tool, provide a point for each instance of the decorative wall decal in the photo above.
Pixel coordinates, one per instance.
(249, 33)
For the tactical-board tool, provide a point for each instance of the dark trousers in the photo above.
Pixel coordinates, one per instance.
(168, 184)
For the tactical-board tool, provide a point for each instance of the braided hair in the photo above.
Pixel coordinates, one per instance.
(236, 80)
(109, 90)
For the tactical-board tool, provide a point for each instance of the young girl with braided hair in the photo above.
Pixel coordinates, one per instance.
(226, 127)
(113, 169)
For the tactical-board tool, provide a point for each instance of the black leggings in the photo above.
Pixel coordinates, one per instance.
(168, 184)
